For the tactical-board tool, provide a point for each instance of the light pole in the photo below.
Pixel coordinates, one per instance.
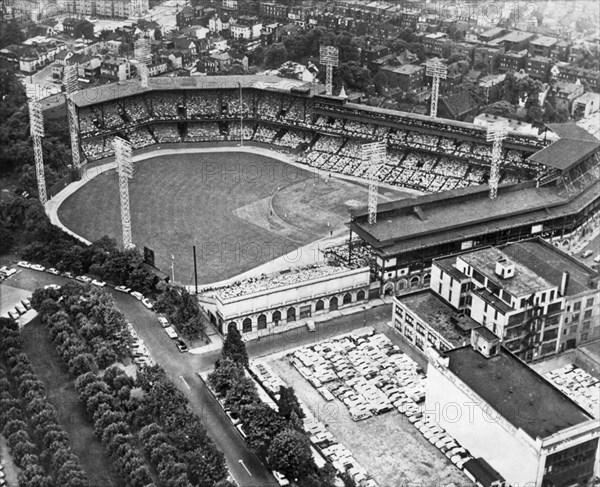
(241, 117)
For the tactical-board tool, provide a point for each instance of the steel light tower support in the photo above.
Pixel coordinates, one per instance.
(125, 170)
(241, 116)
(143, 56)
(496, 133)
(36, 126)
(437, 70)
(330, 59)
(373, 154)
(71, 84)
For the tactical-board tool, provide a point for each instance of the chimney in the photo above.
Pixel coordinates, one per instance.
(564, 283)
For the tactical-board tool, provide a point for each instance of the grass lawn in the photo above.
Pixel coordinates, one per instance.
(240, 210)
(388, 446)
(71, 413)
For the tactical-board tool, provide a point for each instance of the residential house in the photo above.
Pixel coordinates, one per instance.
(408, 78)
(542, 46)
(460, 106)
(223, 59)
(116, 69)
(585, 105)
(486, 57)
(565, 94)
(539, 67)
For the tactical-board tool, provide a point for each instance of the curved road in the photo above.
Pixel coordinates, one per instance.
(183, 367)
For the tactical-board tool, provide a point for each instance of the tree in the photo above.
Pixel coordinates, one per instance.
(234, 348)
(262, 424)
(275, 55)
(288, 403)
(225, 374)
(241, 394)
(290, 454)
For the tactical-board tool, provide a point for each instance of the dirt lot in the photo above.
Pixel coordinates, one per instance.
(391, 449)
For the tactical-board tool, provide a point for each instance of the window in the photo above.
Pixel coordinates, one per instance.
(587, 314)
(552, 295)
(577, 306)
(543, 298)
(496, 314)
(586, 325)
(576, 317)
(589, 303)
(440, 289)
(450, 296)
(584, 336)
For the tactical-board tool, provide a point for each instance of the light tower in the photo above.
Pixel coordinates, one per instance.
(71, 80)
(36, 128)
(137, 8)
(496, 133)
(330, 59)
(125, 170)
(374, 154)
(143, 56)
(437, 70)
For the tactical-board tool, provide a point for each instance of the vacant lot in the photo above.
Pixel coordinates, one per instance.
(71, 414)
(391, 449)
(240, 210)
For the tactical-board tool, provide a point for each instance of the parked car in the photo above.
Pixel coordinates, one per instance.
(98, 283)
(181, 346)
(7, 271)
(85, 279)
(147, 303)
(597, 259)
(171, 332)
(586, 253)
(163, 321)
(68, 275)
(37, 267)
(52, 286)
(24, 264)
(310, 324)
(137, 295)
(53, 271)
(20, 309)
(26, 303)
(281, 480)
(122, 289)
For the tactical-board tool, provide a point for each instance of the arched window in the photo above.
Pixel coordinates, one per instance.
(360, 296)
(414, 281)
(291, 314)
(320, 305)
(262, 322)
(333, 303)
(347, 298)
(388, 288)
(426, 279)
(247, 325)
(277, 317)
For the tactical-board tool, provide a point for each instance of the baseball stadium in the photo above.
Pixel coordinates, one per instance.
(264, 177)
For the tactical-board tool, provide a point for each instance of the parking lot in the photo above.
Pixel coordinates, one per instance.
(368, 395)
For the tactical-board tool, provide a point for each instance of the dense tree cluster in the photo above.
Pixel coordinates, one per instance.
(39, 445)
(276, 436)
(182, 310)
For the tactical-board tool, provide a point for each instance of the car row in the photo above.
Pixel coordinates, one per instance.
(6, 272)
(139, 352)
(437, 436)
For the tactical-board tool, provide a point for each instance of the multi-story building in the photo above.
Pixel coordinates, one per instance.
(501, 410)
(515, 40)
(542, 46)
(487, 57)
(273, 11)
(566, 93)
(116, 68)
(523, 293)
(491, 34)
(434, 43)
(408, 78)
(585, 105)
(539, 67)
(512, 61)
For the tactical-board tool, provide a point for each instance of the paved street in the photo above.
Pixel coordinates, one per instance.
(183, 368)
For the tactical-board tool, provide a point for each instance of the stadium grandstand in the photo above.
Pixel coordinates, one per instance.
(548, 185)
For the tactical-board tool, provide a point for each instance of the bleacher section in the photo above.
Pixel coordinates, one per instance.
(455, 156)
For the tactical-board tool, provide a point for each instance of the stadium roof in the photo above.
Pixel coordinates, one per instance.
(574, 145)
(463, 214)
(518, 393)
(103, 93)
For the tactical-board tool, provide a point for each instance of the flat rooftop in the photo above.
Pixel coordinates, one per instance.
(518, 393)
(525, 281)
(440, 316)
(549, 263)
(544, 41)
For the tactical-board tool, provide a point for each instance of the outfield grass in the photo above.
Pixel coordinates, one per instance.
(240, 210)
(71, 413)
